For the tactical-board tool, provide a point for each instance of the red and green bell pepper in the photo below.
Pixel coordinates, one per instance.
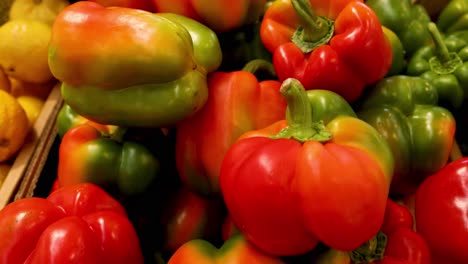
(74, 224)
(138, 68)
(441, 212)
(420, 134)
(88, 155)
(290, 174)
(219, 15)
(238, 102)
(235, 250)
(336, 45)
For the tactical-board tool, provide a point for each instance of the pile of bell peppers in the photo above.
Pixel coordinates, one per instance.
(280, 131)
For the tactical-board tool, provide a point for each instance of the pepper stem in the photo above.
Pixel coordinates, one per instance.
(444, 62)
(260, 65)
(314, 30)
(300, 123)
(370, 251)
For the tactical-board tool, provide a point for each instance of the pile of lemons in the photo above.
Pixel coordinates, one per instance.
(25, 77)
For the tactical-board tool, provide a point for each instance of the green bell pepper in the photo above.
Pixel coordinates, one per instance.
(138, 68)
(398, 52)
(453, 17)
(420, 133)
(88, 155)
(445, 65)
(407, 20)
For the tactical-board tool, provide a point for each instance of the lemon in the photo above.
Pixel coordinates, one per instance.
(5, 83)
(41, 90)
(32, 106)
(42, 10)
(24, 49)
(14, 126)
(4, 169)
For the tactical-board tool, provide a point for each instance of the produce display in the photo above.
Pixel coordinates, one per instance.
(249, 131)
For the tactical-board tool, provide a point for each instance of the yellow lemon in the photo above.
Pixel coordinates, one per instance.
(42, 10)
(32, 106)
(41, 90)
(4, 81)
(24, 49)
(4, 169)
(14, 126)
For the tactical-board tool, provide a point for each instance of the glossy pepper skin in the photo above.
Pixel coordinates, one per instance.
(341, 51)
(235, 250)
(440, 212)
(68, 118)
(397, 243)
(420, 134)
(74, 224)
(190, 216)
(453, 17)
(219, 15)
(238, 102)
(87, 155)
(406, 19)
(301, 170)
(138, 68)
(445, 65)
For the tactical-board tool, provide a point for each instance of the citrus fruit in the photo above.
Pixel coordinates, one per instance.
(32, 106)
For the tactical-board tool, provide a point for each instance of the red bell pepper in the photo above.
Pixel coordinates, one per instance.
(336, 45)
(75, 224)
(237, 103)
(146, 5)
(235, 250)
(219, 15)
(441, 204)
(299, 181)
(190, 216)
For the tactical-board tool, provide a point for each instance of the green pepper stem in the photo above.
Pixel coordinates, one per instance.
(314, 30)
(300, 123)
(314, 26)
(440, 47)
(371, 250)
(260, 65)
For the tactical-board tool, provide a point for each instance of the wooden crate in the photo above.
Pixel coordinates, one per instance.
(26, 168)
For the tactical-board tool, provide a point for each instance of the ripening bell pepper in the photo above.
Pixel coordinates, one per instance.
(445, 65)
(408, 20)
(238, 103)
(68, 118)
(74, 224)
(219, 15)
(420, 134)
(235, 250)
(337, 45)
(453, 17)
(320, 175)
(138, 68)
(88, 155)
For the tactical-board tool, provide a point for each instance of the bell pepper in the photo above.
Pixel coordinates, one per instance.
(235, 250)
(75, 224)
(445, 65)
(407, 19)
(453, 17)
(138, 68)
(298, 163)
(219, 15)
(440, 212)
(338, 46)
(397, 243)
(398, 52)
(68, 118)
(88, 155)
(189, 216)
(137, 4)
(420, 134)
(238, 102)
